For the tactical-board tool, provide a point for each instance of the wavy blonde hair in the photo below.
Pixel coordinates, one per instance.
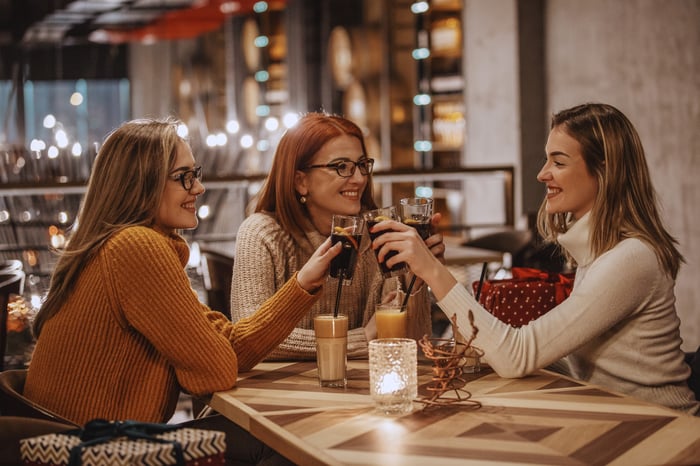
(626, 204)
(125, 189)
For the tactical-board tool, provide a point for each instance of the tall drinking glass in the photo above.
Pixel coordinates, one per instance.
(348, 230)
(331, 349)
(373, 217)
(417, 212)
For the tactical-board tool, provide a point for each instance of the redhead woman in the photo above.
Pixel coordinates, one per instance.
(619, 327)
(321, 167)
(121, 332)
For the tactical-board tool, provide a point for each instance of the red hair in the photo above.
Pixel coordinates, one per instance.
(295, 151)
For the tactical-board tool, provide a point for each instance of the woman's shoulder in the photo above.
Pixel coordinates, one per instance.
(138, 244)
(258, 221)
(262, 227)
(635, 248)
(141, 237)
(633, 257)
(259, 235)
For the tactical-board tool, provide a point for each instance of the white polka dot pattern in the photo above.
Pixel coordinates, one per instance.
(527, 296)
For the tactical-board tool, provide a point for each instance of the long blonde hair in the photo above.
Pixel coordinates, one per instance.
(626, 204)
(125, 189)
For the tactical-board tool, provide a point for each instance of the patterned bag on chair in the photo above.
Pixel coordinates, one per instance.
(525, 297)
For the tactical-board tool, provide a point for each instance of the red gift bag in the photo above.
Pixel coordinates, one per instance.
(525, 297)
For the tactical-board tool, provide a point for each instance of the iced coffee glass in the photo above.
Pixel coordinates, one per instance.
(391, 320)
(331, 349)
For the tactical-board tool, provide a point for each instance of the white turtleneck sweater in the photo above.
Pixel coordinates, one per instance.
(618, 329)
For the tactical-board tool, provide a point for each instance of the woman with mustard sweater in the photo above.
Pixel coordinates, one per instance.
(122, 332)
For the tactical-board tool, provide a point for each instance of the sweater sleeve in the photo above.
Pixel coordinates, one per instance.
(595, 305)
(155, 298)
(254, 337)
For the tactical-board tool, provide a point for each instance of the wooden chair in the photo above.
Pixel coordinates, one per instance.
(14, 403)
(217, 270)
(11, 282)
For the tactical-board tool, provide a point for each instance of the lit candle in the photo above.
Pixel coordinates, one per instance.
(390, 383)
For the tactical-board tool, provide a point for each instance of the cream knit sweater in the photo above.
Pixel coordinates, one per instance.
(133, 333)
(266, 256)
(618, 329)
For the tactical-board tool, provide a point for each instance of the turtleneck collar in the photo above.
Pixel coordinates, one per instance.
(576, 240)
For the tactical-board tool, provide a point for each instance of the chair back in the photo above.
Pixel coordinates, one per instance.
(14, 428)
(11, 282)
(217, 271)
(14, 403)
(10, 265)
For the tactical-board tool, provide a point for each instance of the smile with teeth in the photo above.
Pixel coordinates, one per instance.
(551, 190)
(188, 206)
(351, 194)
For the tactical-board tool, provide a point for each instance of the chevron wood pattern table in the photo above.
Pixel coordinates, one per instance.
(543, 419)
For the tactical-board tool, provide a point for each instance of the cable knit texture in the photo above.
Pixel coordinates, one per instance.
(133, 333)
(618, 329)
(267, 255)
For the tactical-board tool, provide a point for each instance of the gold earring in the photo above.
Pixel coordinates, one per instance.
(302, 199)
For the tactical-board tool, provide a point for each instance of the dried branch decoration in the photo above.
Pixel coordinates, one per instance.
(449, 358)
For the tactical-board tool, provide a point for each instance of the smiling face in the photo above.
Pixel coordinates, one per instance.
(177, 207)
(326, 192)
(570, 186)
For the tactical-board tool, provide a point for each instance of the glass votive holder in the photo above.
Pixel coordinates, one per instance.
(393, 374)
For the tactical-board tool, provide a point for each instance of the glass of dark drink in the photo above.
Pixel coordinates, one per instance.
(348, 230)
(373, 217)
(417, 212)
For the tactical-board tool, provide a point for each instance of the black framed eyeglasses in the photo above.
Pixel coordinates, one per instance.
(346, 168)
(188, 177)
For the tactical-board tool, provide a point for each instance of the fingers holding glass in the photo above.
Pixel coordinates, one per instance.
(347, 230)
(372, 218)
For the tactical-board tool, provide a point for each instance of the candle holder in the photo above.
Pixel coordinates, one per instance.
(393, 374)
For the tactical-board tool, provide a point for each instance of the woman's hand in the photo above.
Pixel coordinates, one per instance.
(420, 256)
(313, 274)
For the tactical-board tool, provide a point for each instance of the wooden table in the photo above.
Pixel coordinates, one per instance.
(541, 419)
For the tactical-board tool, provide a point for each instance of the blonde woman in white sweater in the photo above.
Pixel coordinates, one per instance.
(619, 327)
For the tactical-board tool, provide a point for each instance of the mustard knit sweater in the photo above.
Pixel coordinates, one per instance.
(133, 334)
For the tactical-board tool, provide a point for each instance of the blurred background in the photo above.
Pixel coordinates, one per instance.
(454, 97)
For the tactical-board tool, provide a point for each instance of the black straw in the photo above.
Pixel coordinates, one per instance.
(341, 278)
(481, 281)
(408, 293)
